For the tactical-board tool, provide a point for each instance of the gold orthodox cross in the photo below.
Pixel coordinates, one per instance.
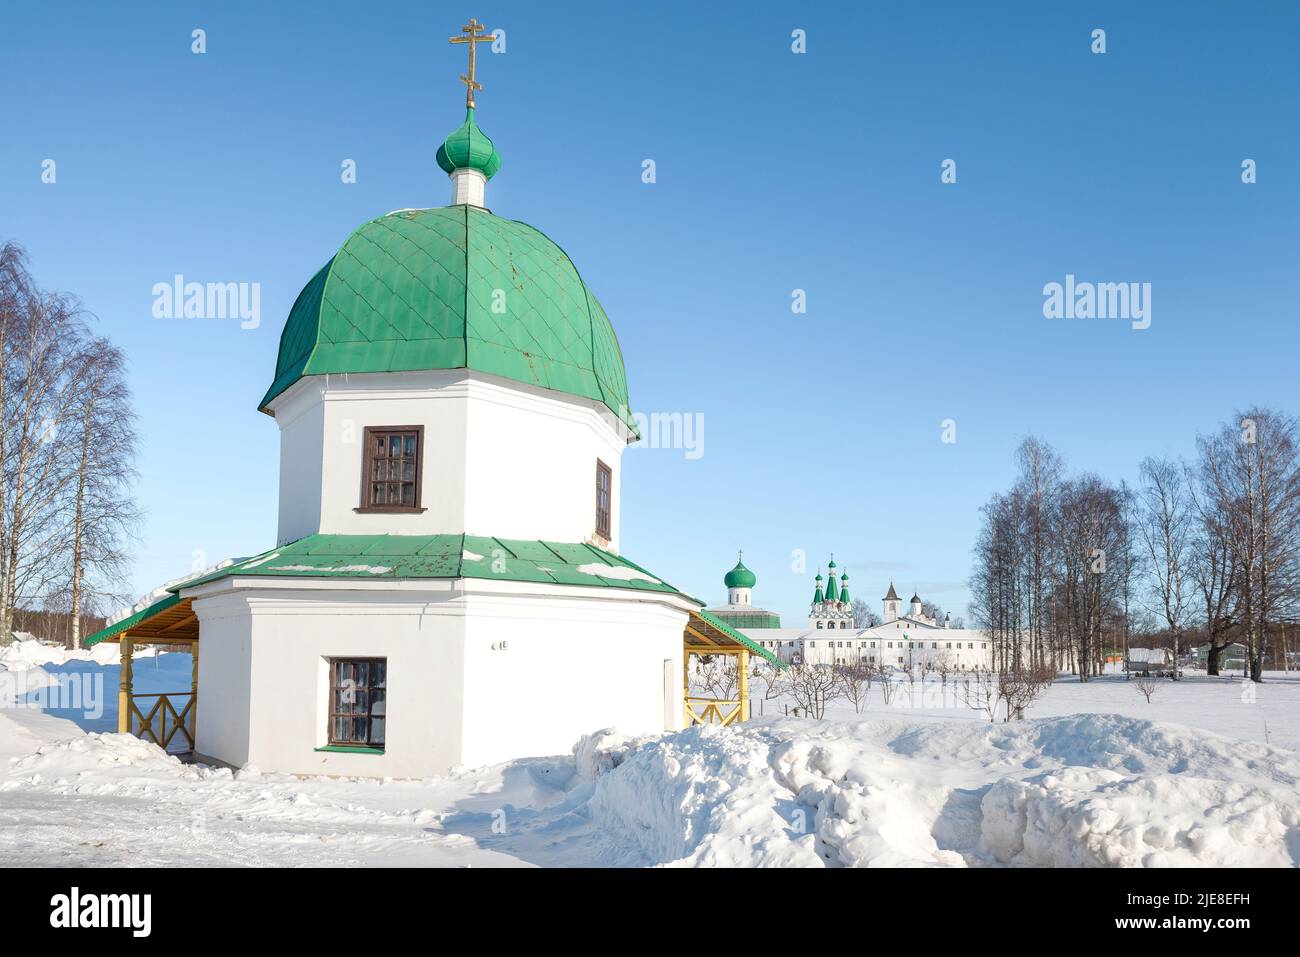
(471, 31)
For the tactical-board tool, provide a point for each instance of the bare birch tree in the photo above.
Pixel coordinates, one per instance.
(1250, 472)
(1164, 526)
(104, 513)
(66, 446)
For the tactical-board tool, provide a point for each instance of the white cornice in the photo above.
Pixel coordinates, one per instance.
(415, 590)
(307, 391)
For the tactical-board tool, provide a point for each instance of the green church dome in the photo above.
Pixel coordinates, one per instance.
(739, 577)
(453, 288)
(468, 147)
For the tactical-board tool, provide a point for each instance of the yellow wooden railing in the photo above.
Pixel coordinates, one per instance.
(712, 711)
(162, 722)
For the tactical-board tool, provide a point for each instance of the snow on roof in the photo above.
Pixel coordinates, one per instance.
(617, 572)
(1149, 655)
(163, 590)
(766, 634)
(335, 569)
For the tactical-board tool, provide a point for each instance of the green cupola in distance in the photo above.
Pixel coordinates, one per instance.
(844, 589)
(740, 582)
(739, 611)
(818, 595)
(467, 155)
(740, 576)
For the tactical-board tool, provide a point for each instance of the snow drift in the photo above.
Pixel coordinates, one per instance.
(1085, 790)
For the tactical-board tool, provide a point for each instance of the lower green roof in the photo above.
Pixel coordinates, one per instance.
(373, 557)
(443, 556)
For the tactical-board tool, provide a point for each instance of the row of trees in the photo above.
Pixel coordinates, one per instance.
(1067, 566)
(67, 449)
(811, 687)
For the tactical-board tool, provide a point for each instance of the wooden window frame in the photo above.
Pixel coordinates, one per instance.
(369, 689)
(367, 457)
(607, 531)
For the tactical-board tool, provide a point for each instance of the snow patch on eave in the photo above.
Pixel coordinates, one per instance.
(170, 587)
(336, 569)
(617, 572)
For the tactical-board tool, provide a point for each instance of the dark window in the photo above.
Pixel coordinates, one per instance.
(390, 469)
(604, 498)
(357, 693)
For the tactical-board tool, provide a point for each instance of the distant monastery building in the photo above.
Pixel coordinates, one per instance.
(911, 640)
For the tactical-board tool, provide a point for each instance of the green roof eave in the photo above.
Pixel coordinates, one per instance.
(748, 643)
(374, 557)
(115, 629)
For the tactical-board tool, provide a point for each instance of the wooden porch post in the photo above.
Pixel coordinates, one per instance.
(686, 684)
(194, 688)
(124, 687)
(743, 665)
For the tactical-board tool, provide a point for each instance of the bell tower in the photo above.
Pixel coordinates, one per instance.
(891, 601)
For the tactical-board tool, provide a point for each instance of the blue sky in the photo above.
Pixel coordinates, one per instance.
(775, 172)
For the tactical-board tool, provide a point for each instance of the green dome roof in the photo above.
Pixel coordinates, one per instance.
(416, 289)
(468, 147)
(739, 577)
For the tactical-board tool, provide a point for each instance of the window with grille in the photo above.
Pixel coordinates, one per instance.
(604, 499)
(357, 702)
(390, 469)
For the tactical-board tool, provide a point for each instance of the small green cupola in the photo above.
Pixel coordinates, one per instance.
(740, 576)
(818, 596)
(468, 147)
(844, 589)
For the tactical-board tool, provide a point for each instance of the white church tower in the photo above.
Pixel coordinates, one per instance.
(450, 503)
(891, 601)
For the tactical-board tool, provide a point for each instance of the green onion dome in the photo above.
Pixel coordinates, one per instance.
(739, 577)
(468, 147)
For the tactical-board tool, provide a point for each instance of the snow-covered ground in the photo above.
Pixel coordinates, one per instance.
(1268, 713)
(1095, 775)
